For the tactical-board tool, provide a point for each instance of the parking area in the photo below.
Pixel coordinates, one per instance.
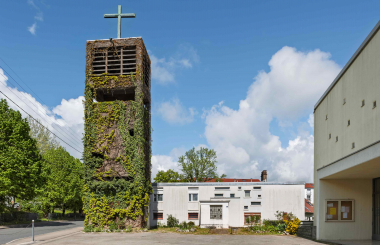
(148, 238)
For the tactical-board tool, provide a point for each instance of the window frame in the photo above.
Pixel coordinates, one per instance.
(246, 208)
(215, 194)
(255, 205)
(158, 197)
(339, 208)
(245, 193)
(156, 216)
(188, 216)
(221, 217)
(251, 214)
(191, 197)
(232, 194)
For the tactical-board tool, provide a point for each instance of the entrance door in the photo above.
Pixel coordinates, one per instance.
(376, 209)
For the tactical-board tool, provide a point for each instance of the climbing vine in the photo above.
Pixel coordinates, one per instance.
(109, 196)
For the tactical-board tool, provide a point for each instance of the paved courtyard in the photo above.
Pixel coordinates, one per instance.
(149, 238)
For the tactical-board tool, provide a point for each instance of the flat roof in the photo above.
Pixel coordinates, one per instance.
(349, 63)
(112, 39)
(224, 183)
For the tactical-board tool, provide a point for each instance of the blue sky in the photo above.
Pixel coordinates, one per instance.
(203, 53)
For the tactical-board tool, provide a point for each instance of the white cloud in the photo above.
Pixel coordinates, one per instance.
(37, 17)
(65, 120)
(311, 120)
(32, 28)
(174, 112)
(163, 70)
(287, 92)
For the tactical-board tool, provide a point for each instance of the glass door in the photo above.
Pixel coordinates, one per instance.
(376, 209)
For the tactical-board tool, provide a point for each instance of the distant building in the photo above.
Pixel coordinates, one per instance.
(309, 201)
(225, 204)
(347, 149)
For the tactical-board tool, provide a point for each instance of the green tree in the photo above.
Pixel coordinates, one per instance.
(64, 175)
(199, 165)
(20, 161)
(45, 139)
(167, 176)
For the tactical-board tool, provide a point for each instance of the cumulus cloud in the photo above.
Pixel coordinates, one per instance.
(163, 69)
(287, 92)
(38, 17)
(65, 120)
(174, 112)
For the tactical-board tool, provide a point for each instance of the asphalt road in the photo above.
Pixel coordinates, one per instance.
(10, 234)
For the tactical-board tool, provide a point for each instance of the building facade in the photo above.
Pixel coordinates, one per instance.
(347, 149)
(225, 204)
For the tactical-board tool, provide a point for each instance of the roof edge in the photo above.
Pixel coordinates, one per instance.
(225, 183)
(349, 63)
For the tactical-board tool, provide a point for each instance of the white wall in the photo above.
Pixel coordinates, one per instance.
(288, 198)
(360, 190)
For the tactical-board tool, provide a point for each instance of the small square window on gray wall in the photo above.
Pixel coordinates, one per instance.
(232, 195)
(160, 197)
(216, 212)
(245, 207)
(239, 188)
(193, 197)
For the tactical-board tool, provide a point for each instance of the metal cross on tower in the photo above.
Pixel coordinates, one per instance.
(119, 15)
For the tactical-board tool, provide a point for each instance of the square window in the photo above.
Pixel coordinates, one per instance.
(259, 196)
(245, 207)
(193, 197)
(255, 203)
(232, 195)
(157, 216)
(239, 188)
(160, 197)
(374, 104)
(247, 193)
(363, 103)
(192, 215)
(216, 212)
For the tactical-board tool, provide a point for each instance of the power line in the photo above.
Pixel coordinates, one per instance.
(37, 114)
(40, 123)
(69, 131)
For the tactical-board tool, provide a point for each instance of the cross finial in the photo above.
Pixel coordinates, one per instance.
(119, 15)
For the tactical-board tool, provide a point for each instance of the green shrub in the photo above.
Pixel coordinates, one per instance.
(97, 229)
(112, 226)
(184, 226)
(172, 221)
(128, 228)
(191, 224)
(120, 224)
(281, 227)
(88, 228)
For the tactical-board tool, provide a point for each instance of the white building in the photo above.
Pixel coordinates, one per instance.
(225, 204)
(347, 149)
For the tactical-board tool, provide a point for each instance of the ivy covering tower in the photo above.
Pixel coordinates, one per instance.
(117, 147)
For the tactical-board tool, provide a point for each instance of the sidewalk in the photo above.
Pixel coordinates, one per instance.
(47, 238)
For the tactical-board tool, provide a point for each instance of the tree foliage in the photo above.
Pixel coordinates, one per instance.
(45, 139)
(64, 180)
(167, 176)
(20, 161)
(199, 165)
